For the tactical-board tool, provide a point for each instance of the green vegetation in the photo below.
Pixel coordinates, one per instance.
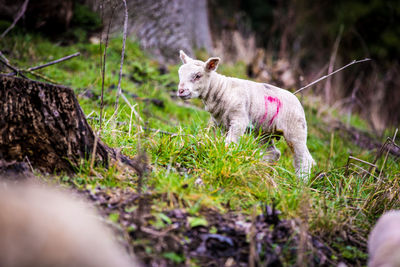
(337, 201)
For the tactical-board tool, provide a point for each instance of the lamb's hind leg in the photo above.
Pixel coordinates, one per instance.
(303, 161)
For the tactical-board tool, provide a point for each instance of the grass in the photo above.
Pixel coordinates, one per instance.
(336, 203)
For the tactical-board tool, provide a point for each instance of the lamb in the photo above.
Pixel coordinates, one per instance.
(236, 104)
(41, 226)
(384, 241)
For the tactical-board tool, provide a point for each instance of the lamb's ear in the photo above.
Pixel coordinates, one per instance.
(185, 58)
(212, 64)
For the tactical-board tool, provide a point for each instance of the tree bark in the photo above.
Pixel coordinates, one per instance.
(45, 124)
(162, 27)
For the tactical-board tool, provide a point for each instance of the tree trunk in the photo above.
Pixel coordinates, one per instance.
(45, 124)
(162, 27)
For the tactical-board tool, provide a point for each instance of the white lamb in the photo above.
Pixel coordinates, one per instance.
(45, 227)
(236, 104)
(384, 241)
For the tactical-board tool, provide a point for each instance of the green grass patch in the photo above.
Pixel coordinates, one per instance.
(182, 147)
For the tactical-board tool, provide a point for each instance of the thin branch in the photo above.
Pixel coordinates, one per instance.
(18, 71)
(103, 69)
(332, 73)
(363, 161)
(386, 156)
(40, 76)
(122, 56)
(54, 62)
(133, 108)
(19, 15)
(4, 57)
(13, 68)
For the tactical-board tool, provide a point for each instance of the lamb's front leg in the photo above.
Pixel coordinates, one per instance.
(237, 127)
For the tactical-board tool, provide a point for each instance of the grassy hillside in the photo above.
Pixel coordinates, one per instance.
(339, 204)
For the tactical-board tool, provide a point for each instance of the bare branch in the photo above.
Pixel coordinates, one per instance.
(19, 15)
(4, 57)
(332, 73)
(387, 154)
(40, 76)
(122, 56)
(16, 71)
(363, 161)
(13, 68)
(103, 70)
(54, 62)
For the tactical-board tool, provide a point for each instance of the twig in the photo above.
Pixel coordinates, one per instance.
(332, 73)
(15, 69)
(29, 163)
(88, 116)
(394, 136)
(40, 76)
(363, 161)
(386, 147)
(372, 165)
(122, 56)
(386, 156)
(4, 57)
(103, 68)
(132, 108)
(323, 69)
(19, 15)
(54, 62)
(96, 137)
(361, 168)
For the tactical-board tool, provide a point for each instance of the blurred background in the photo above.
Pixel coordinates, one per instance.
(288, 43)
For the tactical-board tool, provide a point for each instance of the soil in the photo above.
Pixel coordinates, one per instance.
(208, 238)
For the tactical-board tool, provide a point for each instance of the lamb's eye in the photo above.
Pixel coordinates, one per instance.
(197, 76)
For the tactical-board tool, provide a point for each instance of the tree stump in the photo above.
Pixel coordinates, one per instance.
(45, 123)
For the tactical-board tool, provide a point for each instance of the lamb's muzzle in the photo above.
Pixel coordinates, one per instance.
(236, 104)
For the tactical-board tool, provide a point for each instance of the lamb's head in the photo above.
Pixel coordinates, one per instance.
(194, 76)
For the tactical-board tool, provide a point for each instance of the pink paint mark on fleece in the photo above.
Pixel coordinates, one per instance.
(278, 106)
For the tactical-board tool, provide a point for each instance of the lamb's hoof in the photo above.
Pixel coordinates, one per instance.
(271, 156)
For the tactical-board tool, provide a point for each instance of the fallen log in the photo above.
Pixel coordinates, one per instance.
(45, 124)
